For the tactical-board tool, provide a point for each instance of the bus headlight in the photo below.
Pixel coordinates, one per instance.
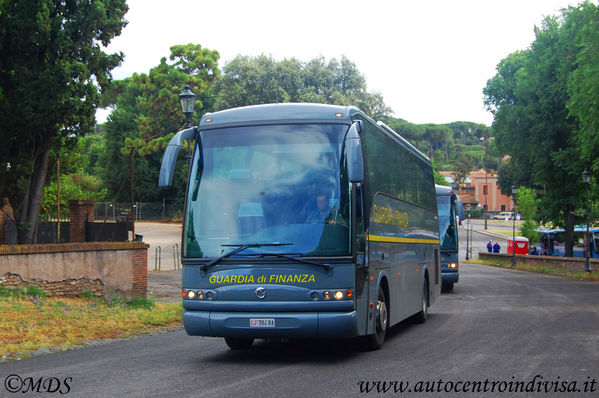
(338, 295)
(191, 294)
(452, 265)
(326, 295)
(200, 295)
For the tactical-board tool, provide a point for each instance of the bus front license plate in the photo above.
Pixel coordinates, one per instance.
(262, 322)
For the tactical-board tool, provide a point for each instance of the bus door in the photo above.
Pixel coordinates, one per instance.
(361, 260)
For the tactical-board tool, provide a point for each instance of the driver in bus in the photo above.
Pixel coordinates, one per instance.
(323, 213)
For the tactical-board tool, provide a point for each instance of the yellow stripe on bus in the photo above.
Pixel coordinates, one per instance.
(380, 238)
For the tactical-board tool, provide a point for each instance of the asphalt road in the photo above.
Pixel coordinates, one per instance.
(497, 325)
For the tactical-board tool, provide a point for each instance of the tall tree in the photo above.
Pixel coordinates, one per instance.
(52, 69)
(528, 98)
(147, 113)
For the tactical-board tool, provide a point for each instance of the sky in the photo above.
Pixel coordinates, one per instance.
(429, 59)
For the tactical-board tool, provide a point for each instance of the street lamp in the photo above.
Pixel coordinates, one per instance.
(468, 244)
(586, 177)
(486, 187)
(514, 193)
(188, 101)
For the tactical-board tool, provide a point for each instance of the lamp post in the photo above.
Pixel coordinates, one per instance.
(586, 177)
(188, 102)
(486, 187)
(514, 193)
(468, 233)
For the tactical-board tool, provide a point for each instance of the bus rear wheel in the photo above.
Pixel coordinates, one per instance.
(423, 314)
(375, 341)
(235, 343)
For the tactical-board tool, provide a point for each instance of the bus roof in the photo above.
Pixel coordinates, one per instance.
(443, 190)
(577, 228)
(277, 113)
(296, 113)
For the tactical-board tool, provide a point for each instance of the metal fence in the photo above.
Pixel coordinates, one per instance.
(166, 210)
(47, 232)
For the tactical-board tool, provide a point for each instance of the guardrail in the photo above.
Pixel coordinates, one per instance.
(176, 257)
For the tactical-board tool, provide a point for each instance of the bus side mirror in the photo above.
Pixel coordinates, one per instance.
(167, 169)
(353, 151)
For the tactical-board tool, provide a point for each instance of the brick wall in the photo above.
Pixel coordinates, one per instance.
(570, 263)
(140, 273)
(69, 269)
(80, 212)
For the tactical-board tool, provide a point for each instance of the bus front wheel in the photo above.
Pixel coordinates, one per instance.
(239, 343)
(447, 287)
(375, 341)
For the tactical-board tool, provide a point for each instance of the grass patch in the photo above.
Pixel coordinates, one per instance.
(588, 276)
(29, 322)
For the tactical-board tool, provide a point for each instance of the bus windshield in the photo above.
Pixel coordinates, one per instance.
(447, 223)
(279, 188)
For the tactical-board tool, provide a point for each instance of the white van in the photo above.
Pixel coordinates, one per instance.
(503, 214)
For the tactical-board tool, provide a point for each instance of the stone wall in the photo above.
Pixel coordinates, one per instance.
(570, 263)
(104, 268)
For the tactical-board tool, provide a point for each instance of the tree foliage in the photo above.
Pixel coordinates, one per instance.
(52, 69)
(582, 23)
(528, 205)
(259, 80)
(452, 143)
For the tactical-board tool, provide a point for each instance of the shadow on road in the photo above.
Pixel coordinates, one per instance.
(323, 351)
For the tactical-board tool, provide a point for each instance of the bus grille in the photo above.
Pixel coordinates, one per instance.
(437, 268)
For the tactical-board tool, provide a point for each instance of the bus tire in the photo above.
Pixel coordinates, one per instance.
(235, 343)
(375, 341)
(421, 316)
(447, 287)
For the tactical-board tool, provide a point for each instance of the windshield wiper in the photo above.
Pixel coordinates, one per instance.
(327, 267)
(241, 247)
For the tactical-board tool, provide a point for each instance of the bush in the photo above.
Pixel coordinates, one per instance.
(34, 291)
(529, 230)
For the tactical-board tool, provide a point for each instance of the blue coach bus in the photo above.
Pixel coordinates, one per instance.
(450, 208)
(552, 242)
(304, 221)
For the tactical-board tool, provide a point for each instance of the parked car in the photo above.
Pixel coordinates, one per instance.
(503, 214)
